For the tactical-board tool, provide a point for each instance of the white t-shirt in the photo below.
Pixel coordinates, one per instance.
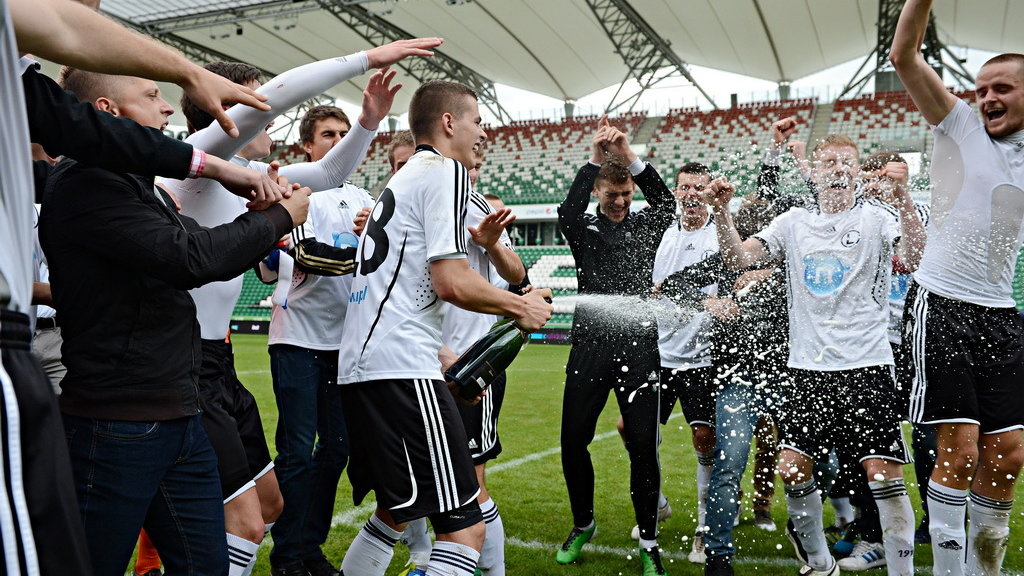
(462, 328)
(316, 304)
(16, 183)
(899, 285)
(393, 325)
(838, 272)
(684, 337)
(977, 213)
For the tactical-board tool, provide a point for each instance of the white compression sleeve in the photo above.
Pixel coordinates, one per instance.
(332, 170)
(283, 92)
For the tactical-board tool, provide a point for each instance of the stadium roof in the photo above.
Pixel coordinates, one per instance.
(558, 47)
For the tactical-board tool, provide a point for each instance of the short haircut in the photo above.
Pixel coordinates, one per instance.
(316, 114)
(841, 140)
(879, 159)
(237, 72)
(399, 139)
(491, 196)
(694, 168)
(431, 100)
(1008, 57)
(614, 173)
(88, 86)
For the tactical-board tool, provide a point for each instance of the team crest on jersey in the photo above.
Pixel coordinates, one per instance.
(824, 273)
(850, 239)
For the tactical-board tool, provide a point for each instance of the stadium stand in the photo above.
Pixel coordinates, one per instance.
(729, 141)
(534, 161)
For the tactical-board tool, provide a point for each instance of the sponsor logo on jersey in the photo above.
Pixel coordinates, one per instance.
(653, 376)
(850, 239)
(343, 205)
(357, 297)
(824, 273)
(690, 246)
(345, 239)
(899, 285)
(593, 227)
(472, 444)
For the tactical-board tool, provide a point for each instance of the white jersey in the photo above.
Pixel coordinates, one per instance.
(315, 312)
(16, 183)
(210, 204)
(838, 273)
(393, 325)
(684, 337)
(977, 213)
(899, 285)
(462, 328)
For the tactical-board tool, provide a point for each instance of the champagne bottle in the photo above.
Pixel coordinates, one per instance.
(486, 359)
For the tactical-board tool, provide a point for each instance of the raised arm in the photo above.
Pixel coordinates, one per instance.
(910, 246)
(924, 84)
(70, 33)
(737, 254)
(491, 237)
(299, 84)
(341, 160)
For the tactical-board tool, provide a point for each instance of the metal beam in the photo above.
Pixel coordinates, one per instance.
(648, 57)
(932, 49)
(378, 31)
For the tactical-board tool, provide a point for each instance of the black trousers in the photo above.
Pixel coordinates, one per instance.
(44, 482)
(630, 369)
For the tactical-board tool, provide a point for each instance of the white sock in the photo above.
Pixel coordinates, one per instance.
(662, 500)
(370, 552)
(705, 462)
(844, 510)
(947, 510)
(804, 505)
(268, 527)
(988, 534)
(241, 555)
(648, 544)
(492, 555)
(451, 559)
(417, 538)
(896, 515)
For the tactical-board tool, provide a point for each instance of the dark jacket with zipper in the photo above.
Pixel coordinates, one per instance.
(121, 261)
(615, 258)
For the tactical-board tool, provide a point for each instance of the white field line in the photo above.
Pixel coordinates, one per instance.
(356, 517)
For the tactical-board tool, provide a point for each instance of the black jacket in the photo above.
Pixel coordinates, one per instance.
(66, 127)
(614, 258)
(121, 262)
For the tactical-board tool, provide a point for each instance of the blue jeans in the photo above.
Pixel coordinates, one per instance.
(737, 410)
(157, 475)
(312, 448)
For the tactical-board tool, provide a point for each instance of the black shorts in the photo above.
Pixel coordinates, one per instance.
(969, 363)
(231, 419)
(696, 390)
(481, 423)
(408, 447)
(35, 464)
(851, 411)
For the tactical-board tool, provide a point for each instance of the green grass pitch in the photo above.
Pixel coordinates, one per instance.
(526, 482)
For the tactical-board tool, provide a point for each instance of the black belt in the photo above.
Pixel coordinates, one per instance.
(46, 323)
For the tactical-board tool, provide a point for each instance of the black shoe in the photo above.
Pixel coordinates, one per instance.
(290, 569)
(718, 566)
(319, 566)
